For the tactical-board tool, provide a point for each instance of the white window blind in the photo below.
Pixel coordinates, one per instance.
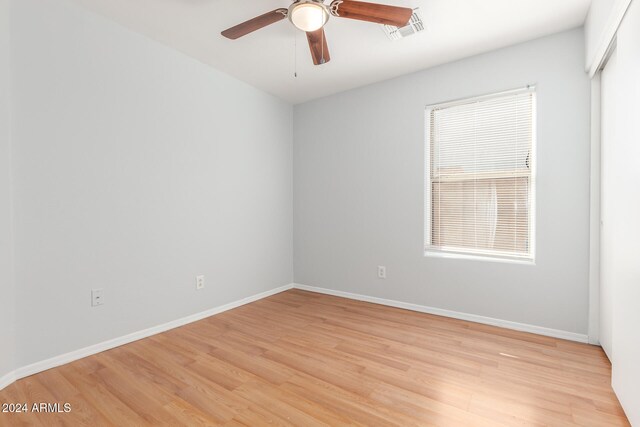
(480, 176)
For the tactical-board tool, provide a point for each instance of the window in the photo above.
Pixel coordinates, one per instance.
(480, 176)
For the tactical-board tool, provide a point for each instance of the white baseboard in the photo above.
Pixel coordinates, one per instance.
(7, 379)
(63, 359)
(43, 365)
(556, 333)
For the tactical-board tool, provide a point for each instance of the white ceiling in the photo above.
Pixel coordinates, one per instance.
(360, 52)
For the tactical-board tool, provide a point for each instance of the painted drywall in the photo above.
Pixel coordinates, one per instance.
(136, 168)
(7, 295)
(358, 190)
(600, 12)
(620, 177)
(600, 27)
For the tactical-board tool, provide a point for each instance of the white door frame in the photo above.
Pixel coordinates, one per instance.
(594, 214)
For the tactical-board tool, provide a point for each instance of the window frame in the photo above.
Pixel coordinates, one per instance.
(479, 254)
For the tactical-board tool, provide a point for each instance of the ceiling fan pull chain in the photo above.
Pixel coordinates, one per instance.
(295, 54)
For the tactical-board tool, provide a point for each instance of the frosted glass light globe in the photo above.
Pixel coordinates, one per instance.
(308, 16)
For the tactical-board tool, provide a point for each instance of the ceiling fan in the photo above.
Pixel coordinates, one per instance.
(310, 16)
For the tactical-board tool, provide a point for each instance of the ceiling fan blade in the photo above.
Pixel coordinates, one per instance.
(318, 45)
(254, 24)
(372, 12)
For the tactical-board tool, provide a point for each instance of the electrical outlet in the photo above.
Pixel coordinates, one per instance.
(96, 297)
(382, 272)
(199, 282)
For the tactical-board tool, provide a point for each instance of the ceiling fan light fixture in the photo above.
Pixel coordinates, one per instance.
(308, 15)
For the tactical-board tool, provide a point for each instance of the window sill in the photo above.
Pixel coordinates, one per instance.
(473, 257)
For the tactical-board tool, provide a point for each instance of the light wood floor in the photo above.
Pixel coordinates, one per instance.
(305, 359)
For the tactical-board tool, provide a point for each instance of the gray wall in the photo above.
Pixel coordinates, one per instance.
(136, 168)
(358, 190)
(7, 296)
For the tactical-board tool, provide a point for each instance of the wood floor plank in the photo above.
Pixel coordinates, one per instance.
(305, 359)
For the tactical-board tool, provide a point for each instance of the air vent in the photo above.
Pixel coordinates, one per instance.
(415, 25)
